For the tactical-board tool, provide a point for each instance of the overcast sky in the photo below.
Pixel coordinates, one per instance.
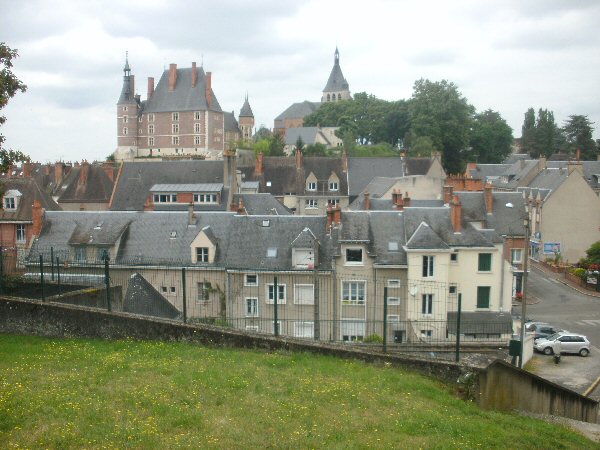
(504, 55)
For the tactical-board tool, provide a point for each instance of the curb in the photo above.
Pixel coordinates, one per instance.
(576, 289)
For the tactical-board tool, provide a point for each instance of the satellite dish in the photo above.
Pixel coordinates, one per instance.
(413, 290)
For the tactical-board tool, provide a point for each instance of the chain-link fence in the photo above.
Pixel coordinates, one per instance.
(359, 305)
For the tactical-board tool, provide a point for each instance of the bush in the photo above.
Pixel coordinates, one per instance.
(373, 339)
(11, 283)
(580, 273)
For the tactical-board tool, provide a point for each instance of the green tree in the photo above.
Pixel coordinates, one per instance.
(276, 145)
(528, 132)
(9, 86)
(316, 150)
(299, 144)
(548, 137)
(423, 146)
(439, 111)
(491, 138)
(578, 135)
(262, 133)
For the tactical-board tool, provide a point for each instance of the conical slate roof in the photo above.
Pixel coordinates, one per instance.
(336, 81)
(246, 111)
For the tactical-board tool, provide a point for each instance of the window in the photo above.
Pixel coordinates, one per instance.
(196, 128)
(312, 203)
(354, 256)
(311, 186)
(453, 257)
(151, 141)
(151, 128)
(393, 318)
(140, 120)
(124, 108)
(165, 198)
(172, 290)
(80, 253)
(452, 289)
(333, 202)
(197, 115)
(10, 203)
(125, 118)
(304, 294)
(272, 252)
(483, 296)
(353, 330)
(151, 117)
(485, 262)
(175, 116)
(251, 307)
(427, 304)
(394, 284)
(175, 140)
(353, 292)
(205, 198)
(251, 280)
(428, 266)
(196, 140)
(393, 246)
(426, 333)
(175, 128)
(333, 186)
(21, 233)
(516, 255)
(202, 254)
(304, 329)
(125, 131)
(163, 289)
(203, 292)
(393, 300)
(271, 290)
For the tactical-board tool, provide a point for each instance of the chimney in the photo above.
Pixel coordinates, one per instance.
(406, 200)
(37, 214)
(194, 74)
(109, 170)
(298, 159)
(149, 204)
(27, 169)
(329, 218)
(455, 214)
(84, 172)
(345, 160)
(397, 200)
(448, 191)
(489, 199)
(258, 169)
(337, 215)
(150, 87)
(172, 76)
(191, 215)
(58, 173)
(209, 89)
(367, 201)
(241, 210)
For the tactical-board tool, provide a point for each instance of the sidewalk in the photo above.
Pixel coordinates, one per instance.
(562, 279)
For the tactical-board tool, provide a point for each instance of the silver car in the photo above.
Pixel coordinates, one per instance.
(563, 342)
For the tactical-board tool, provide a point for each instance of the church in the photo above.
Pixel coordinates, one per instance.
(181, 117)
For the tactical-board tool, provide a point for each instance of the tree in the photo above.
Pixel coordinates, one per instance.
(578, 135)
(439, 111)
(541, 136)
(491, 138)
(262, 133)
(276, 145)
(528, 132)
(9, 85)
(422, 146)
(315, 150)
(299, 144)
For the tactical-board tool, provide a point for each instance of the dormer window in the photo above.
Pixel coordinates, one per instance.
(205, 198)
(11, 199)
(311, 186)
(304, 258)
(165, 198)
(202, 254)
(10, 203)
(333, 186)
(354, 256)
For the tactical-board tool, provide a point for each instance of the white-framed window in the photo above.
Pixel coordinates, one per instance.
(196, 140)
(333, 202)
(203, 292)
(125, 119)
(281, 297)
(354, 256)
(125, 131)
(393, 318)
(175, 116)
(304, 294)
(393, 246)
(394, 283)
(196, 115)
(21, 236)
(311, 186)
(202, 254)
(427, 304)
(151, 128)
(164, 289)
(151, 117)
(196, 128)
(333, 186)
(10, 203)
(353, 330)
(165, 198)
(81, 253)
(205, 198)
(251, 279)
(454, 258)
(304, 329)
(175, 128)
(428, 262)
(452, 289)
(251, 307)
(312, 203)
(175, 140)
(516, 255)
(151, 141)
(426, 334)
(140, 120)
(354, 292)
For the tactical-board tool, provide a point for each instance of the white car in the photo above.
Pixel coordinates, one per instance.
(563, 342)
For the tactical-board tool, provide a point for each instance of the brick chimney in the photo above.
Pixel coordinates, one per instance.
(191, 214)
(406, 200)
(241, 209)
(84, 172)
(367, 201)
(455, 214)
(27, 169)
(58, 173)
(470, 166)
(209, 89)
(109, 170)
(258, 169)
(149, 204)
(337, 215)
(345, 160)
(172, 76)
(298, 159)
(37, 216)
(398, 200)
(329, 218)
(150, 87)
(489, 198)
(194, 74)
(448, 191)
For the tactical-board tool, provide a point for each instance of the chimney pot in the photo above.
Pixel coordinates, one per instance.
(194, 74)
(150, 87)
(37, 215)
(456, 214)
(489, 198)
(172, 76)
(406, 200)
(367, 201)
(259, 164)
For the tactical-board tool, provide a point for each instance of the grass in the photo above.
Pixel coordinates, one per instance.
(58, 393)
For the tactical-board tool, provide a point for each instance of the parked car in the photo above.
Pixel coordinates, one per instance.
(543, 331)
(533, 326)
(563, 342)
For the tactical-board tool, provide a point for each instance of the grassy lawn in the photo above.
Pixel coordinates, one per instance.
(94, 394)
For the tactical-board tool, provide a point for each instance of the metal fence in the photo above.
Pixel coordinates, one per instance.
(357, 305)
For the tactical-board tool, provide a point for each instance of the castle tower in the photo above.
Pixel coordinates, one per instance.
(246, 120)
(127, 114)
(337, 87)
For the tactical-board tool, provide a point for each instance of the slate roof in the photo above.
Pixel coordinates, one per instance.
(503, 220)
(299, 110)
(483, 171)
(188, 187)
(230, 123)
(142, 298)
(308, 135)
(486, 322)
(246, 111)
(30, 190)
(100, 233)
(514, 157)
(362, 170)
(336, 81)
(137, 178)
(97, 189)
(591, 171)
(417, 166)
(184, 97)
(262, 204)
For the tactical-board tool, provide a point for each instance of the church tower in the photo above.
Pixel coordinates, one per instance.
(337, 87)
(246, 120)
(127, 114)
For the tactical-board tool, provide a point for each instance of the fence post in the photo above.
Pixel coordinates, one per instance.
(58, 274)
(107, 283)
(385, 308)
(42, 276)
(317, 314)
(52, 263)
(458, 327)
(184, 295)
(275, 295)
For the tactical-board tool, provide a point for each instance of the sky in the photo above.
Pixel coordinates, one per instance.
(505, 55)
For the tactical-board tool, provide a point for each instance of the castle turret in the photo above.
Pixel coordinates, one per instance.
(337, 87)
(127, 114)
(246, 119)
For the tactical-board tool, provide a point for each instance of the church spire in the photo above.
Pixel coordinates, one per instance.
(337, 87)
(127, 89)
(336, 57)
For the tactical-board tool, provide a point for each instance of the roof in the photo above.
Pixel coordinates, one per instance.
(30, 190)
(262, 204)
(417, 166)
(486, 322)
(362, 170)
(99, 233)
(308, 135)
(142, 298)
(137, 178)
(229, 122)
(336, 81)
(246, 111)
(184, 97)
(299, 110)
(97, 188)
(188, 187)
